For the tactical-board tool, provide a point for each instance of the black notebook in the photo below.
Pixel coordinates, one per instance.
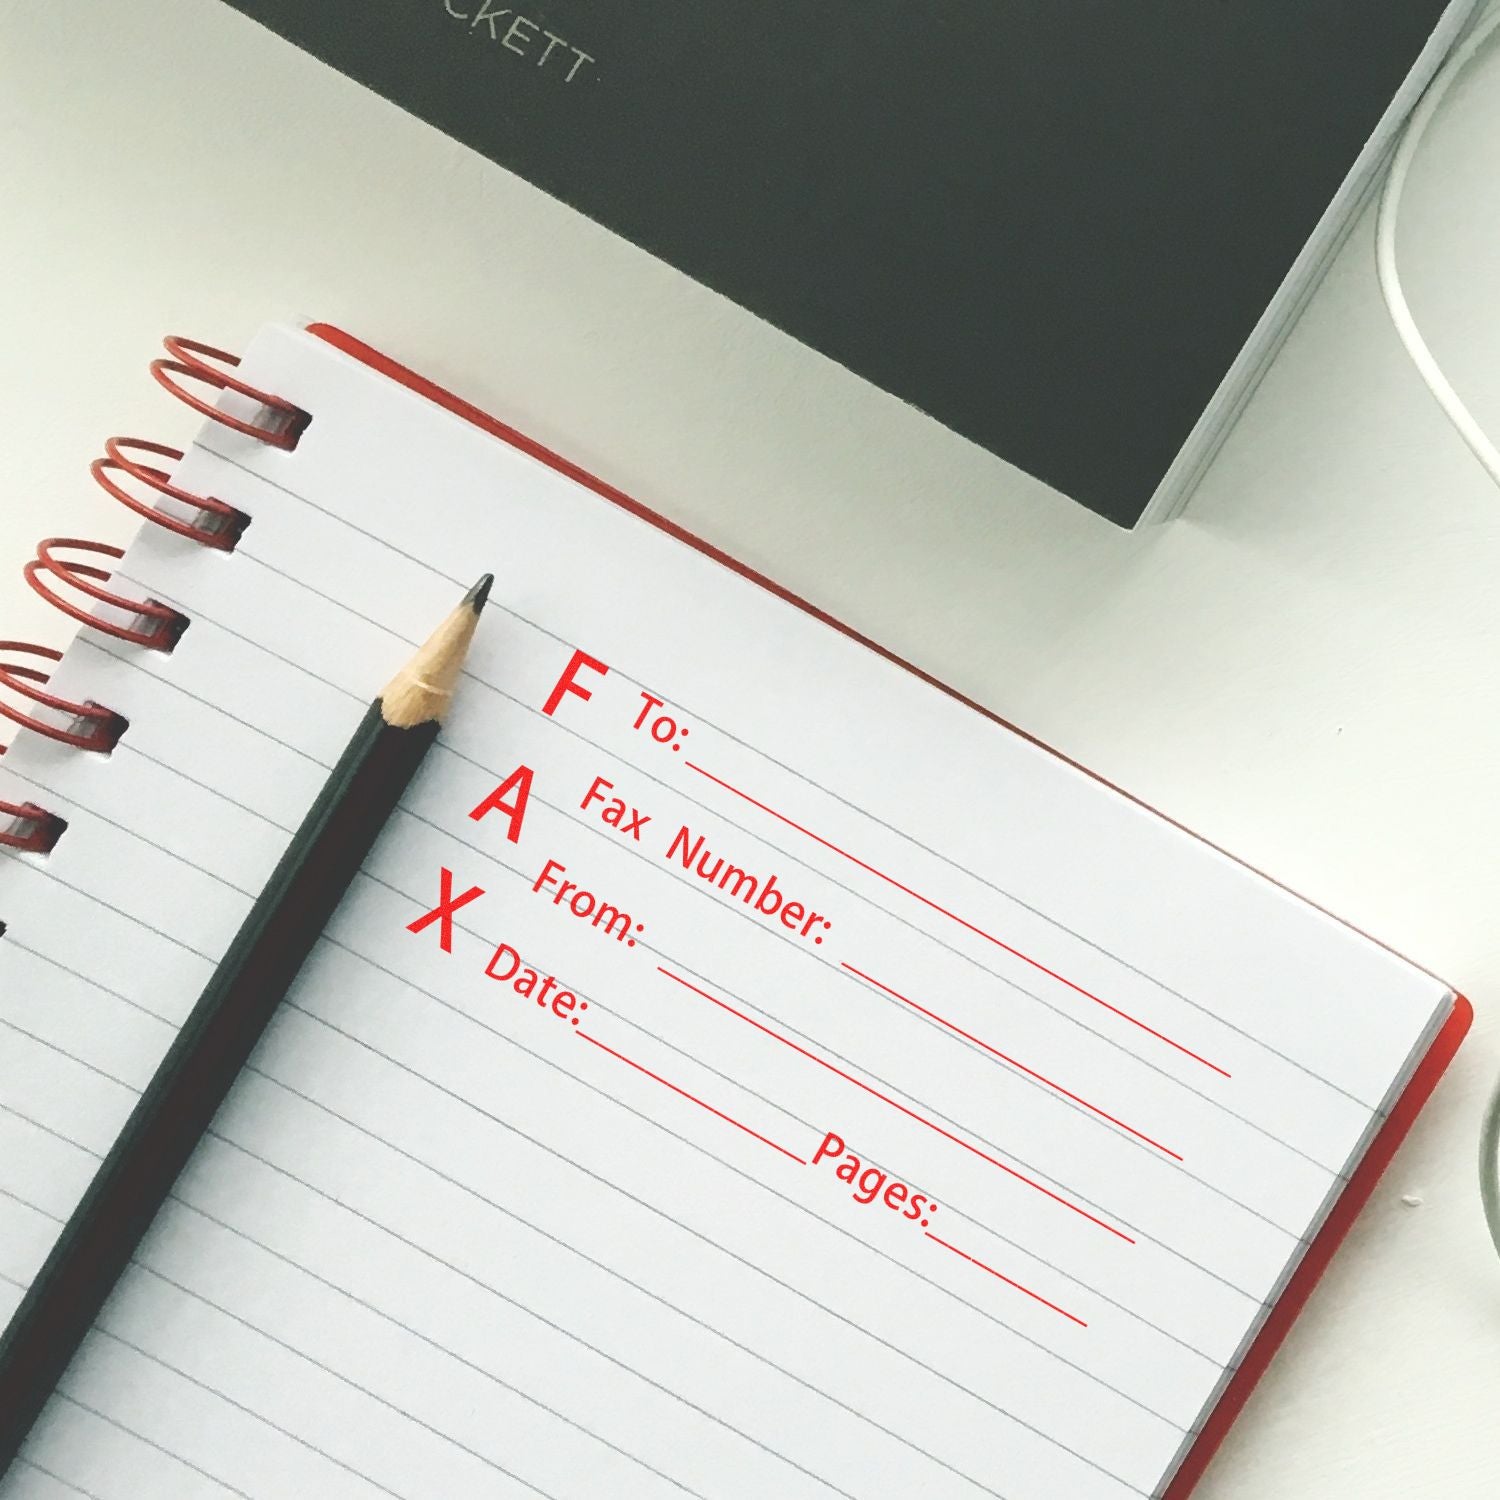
(1072, 232)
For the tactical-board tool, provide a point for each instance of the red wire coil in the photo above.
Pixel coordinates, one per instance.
(218, 525)
(211, 522)
(167, 623)
(202, 362)
(92, 725)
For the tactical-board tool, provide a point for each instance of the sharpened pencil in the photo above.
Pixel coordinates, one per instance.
(230, 1016)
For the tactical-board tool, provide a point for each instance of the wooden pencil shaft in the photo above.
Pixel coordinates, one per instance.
(424, 686)
(205, 1058)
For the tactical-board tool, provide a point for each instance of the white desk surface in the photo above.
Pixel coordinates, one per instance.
(1305, 669)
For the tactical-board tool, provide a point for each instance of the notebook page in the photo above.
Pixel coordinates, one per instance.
(827, 1092)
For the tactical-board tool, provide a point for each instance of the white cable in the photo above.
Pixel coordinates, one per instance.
(1489, 1172)
(1385, 249)
(1461, 417)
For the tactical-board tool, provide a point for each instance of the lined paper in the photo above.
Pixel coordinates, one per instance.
(1097, 1082)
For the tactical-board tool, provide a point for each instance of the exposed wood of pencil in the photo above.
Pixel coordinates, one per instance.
(205, 1058)
(421, 691)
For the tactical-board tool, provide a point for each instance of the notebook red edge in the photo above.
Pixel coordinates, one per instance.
(1362, 1182)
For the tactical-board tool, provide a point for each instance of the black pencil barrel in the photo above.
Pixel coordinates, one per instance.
(180, 1101)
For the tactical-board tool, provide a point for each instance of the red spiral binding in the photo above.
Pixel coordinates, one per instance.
(24, 825)
(104, 725)
(165, 625)
(202, 362)
(215, 524)
(207, 520)
(59, 577)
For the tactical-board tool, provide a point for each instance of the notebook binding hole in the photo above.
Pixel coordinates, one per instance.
(28, 828)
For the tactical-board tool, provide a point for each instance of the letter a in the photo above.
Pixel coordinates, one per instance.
(518, 781)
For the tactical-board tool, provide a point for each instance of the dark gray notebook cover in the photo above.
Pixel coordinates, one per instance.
(1052, 224)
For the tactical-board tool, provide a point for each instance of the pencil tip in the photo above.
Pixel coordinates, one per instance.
(477, 595)
(420, 692)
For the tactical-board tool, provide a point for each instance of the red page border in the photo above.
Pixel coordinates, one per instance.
(1357, 1192)
(1365, 1177)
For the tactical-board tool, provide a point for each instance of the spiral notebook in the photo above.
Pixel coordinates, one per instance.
(743, 1068)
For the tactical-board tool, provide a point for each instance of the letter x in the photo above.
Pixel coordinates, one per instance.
(448, 903)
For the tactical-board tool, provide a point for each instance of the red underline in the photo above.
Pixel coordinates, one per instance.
(1006, 1057)
(989, 937)
(695, 1099)
(911, 1113)
(1006, 1279)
